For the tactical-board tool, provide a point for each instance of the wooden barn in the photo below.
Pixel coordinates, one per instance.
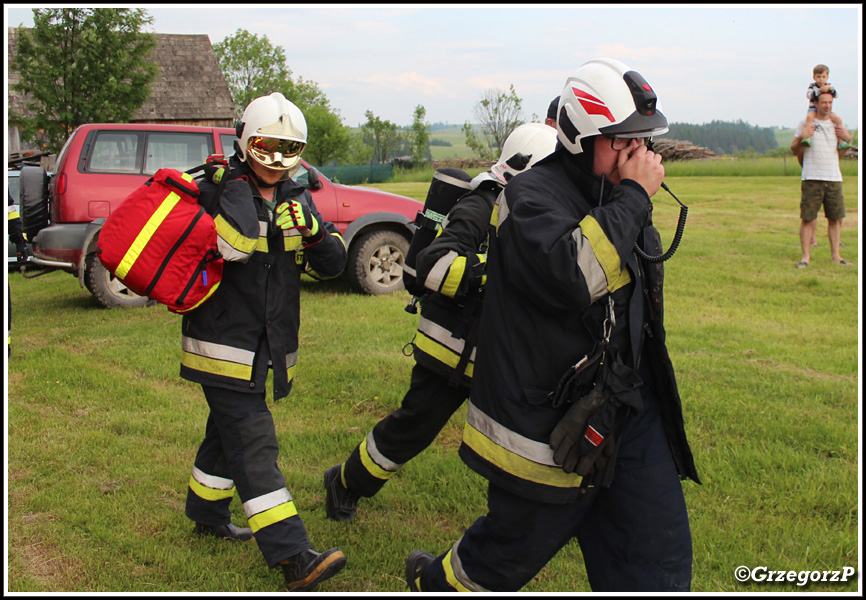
(189, 89)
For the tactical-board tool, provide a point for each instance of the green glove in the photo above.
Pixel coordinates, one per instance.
(294, 215)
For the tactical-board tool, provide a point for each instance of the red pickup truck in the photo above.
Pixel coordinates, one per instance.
(101, 164)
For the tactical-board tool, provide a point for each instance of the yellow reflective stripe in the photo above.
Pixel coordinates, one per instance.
(292, 240)
(450, 577)
(605, 253)
(444, 355)
(13, 214)
(619, 281)
(216, 366)
(145, 234)
(209, 493)
(233, 237)
(290, 373)
(273, 515)
(500, 212)
(374, 469)
(199, 303)
(262, 244)
(266, 502)
(515, 464)
(454, 277)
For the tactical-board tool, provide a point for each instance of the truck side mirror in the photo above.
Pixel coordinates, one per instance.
(313, 178)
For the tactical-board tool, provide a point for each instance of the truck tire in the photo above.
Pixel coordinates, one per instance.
(108, 289)
(33, 200)
(376, 262)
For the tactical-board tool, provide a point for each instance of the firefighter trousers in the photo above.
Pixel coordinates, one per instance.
(239, 452)
(405, 433)
(634, 536)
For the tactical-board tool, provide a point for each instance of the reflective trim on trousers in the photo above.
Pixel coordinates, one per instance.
(210, 487)
(269, 508)
(454, 573)
(374, 461)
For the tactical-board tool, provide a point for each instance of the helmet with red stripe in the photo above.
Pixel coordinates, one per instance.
(605, 97)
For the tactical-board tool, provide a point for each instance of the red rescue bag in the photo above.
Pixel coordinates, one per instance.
(161, 243)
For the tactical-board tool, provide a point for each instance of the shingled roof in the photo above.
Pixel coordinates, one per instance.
(189, 89)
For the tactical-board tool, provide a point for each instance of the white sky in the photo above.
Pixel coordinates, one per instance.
(706, 61)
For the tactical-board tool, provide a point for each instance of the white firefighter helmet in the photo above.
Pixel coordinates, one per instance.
(524, 147)
(273, 132)
(605, 97)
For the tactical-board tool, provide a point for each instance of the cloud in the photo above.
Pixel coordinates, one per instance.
(416, 83)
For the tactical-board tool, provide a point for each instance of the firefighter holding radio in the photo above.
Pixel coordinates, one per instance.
(574, 416)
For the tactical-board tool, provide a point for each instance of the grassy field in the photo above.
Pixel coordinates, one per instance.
(102, 432)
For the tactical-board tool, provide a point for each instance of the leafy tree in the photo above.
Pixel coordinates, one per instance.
(360, 151)
(497, 113)
(254, 67)
(420, 136)
(331, 140)
(82, 65)
(382, 135)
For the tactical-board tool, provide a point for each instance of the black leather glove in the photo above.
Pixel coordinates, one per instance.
(583, 441)
(22, 252)
(215, 166)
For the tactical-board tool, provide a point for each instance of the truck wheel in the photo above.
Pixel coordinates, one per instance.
(376, 262)
(108, 289)
(33, 200)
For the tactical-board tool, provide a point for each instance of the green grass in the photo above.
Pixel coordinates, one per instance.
(102, 432)
(458, 147)
(761, 166)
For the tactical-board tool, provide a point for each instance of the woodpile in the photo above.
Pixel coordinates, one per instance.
(681, 150)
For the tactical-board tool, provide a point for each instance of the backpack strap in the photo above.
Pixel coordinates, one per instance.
(212, 205)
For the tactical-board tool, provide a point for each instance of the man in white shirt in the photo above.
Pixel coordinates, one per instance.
(821, 183)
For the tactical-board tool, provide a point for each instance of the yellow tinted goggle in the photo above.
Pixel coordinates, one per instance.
(269, 145)
(276, 153)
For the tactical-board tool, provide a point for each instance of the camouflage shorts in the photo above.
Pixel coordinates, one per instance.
(815, 193)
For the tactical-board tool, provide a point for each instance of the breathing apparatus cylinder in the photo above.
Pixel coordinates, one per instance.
(447, 187)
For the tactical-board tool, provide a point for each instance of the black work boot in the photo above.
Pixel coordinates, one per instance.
(227, 532)
(304, 571)
(417, 566)
(340, 503)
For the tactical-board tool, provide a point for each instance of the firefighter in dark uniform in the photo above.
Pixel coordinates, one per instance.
(591, 449)
(270, 232)
(16, 236)
(452, 269)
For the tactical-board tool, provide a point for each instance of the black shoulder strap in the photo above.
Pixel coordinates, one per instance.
(212, 205)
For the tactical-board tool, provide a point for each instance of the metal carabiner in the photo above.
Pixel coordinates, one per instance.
(609, 321)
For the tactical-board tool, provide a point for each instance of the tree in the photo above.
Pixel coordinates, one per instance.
(382, 136)
(497, 114)
(330, 139)
(420, 136)
(254, 67)
(82, 65)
